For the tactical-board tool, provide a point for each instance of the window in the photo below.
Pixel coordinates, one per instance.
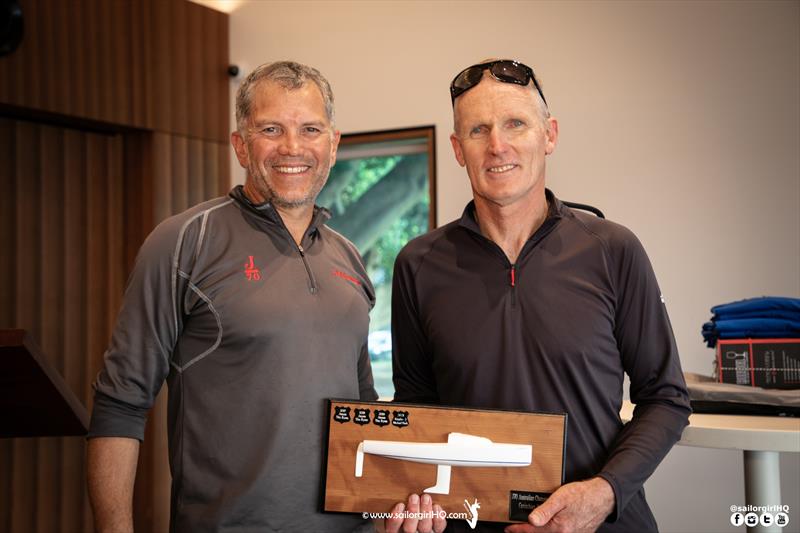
(381, 193)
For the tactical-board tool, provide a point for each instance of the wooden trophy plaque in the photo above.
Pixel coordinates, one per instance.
(378, 453)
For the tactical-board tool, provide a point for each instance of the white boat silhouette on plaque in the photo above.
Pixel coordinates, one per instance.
(459, 450)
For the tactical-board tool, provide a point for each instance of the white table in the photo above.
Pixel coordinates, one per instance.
(762, 438)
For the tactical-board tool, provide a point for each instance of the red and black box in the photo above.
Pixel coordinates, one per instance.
(766, 363)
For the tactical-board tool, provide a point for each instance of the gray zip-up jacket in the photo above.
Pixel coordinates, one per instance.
(251, 332)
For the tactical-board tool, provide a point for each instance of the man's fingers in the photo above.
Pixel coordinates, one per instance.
(545, 512)
(426, 509)
(393, 523)
(432, 520)
(538, 518)
(410, 524)
(439, 522)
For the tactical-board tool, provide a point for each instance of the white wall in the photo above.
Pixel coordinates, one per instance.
(680, 120)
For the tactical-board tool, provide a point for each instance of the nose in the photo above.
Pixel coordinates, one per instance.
(497, 141)
(290, 144)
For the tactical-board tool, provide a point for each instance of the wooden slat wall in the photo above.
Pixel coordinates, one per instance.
(75, 206)
(7, 282)
(152, 64)
(186, 172)
(65, 283)
(74, 508)
(63, 221)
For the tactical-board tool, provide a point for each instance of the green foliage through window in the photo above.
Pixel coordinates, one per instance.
(380, 201)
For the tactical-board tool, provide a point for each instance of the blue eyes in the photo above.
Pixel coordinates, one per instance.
(513, 124)
(273, 131)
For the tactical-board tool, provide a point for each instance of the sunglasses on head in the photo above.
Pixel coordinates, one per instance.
(505, 70)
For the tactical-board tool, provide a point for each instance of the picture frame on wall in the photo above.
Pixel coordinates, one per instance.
(381, 193)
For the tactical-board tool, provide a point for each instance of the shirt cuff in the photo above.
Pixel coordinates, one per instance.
(112, 418)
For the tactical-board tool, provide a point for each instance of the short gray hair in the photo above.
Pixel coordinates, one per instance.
(289, 75)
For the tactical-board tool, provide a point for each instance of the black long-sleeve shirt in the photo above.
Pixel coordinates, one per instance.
(554, 332)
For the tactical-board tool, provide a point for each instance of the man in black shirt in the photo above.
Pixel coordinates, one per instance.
(524, 303)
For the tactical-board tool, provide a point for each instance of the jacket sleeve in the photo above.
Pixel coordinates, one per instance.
(650, 358)
(137, 360)
(366, 384)
(412, 360)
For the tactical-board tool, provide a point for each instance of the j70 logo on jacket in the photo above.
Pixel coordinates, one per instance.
(251, 271)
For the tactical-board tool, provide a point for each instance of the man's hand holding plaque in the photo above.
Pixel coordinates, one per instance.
(420, 514)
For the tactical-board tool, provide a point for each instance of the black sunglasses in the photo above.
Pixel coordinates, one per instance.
(505, 70)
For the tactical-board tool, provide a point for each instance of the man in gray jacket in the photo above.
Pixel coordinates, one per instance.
(253, 311)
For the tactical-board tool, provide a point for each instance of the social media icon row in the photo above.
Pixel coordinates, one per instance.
(766, 519)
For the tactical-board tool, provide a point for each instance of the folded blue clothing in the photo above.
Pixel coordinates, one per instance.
(744, 328)
(757, 325)
(766, 313)
(762, 307)
(762, 318)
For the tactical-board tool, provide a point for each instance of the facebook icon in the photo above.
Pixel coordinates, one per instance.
(737, 519)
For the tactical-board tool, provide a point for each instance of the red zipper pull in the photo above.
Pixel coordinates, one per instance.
(513, 275)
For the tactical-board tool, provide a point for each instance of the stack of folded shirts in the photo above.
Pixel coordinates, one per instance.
(766, 317)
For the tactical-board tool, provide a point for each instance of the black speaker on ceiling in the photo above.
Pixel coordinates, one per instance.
(11, 26)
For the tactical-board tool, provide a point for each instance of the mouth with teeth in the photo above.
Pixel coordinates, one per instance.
(293, 169)
(502, 168)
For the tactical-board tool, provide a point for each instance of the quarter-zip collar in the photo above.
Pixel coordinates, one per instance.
(555, 212)
(265, 217)
(265, 213)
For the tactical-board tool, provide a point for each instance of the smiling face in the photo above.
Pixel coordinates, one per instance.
(289, 146)
(502, 140)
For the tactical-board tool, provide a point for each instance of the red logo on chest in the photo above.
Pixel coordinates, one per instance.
(348, 277)
(250, 270)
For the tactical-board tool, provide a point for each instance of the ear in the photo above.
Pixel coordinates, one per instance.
(552, 136)
(337, 136)
(240, 148)
(457, 149)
